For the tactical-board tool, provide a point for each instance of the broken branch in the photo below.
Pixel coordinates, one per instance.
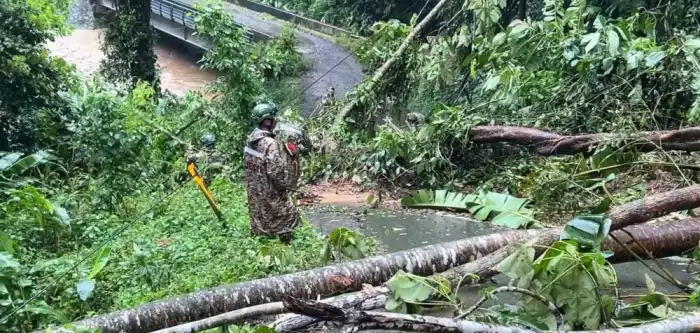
(548, 143)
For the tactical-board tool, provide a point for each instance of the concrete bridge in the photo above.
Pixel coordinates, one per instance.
(331, 65)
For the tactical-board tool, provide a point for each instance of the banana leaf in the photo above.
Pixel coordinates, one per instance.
(503, 209)
(440, 199)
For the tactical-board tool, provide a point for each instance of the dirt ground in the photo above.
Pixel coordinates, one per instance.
(348, 194)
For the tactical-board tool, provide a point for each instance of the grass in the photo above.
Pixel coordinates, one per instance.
(182, 248)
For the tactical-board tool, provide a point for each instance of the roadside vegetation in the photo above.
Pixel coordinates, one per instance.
(86, 160)
(486, 110)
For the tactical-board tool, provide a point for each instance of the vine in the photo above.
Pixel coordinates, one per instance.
(129, 44)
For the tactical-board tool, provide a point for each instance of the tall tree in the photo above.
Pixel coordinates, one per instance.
(30, 79)
(129, 43)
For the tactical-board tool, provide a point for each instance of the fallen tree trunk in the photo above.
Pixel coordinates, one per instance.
(548, 143)
(636, 212)
(322, 281)
(661, 240)
(352, 276)
(416, 323)
(379, 74)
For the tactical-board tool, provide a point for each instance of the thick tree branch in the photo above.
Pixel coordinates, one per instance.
(416, 323)
(379, 74)
(663, 240)
(548, 143)
(340, 278)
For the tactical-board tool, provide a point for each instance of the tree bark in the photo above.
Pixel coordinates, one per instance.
(340, 117)
(417, 323)
(662, 240)
(352, 276)
(309, 284)
(548, 143)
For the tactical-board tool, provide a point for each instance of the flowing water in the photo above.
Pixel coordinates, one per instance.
(180, 71)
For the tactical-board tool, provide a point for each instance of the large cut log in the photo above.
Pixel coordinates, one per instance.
(636, 212)
(416, 323)
(322, 281)
(662, 240)
(548, 143)
(379, 74)
(351, 276)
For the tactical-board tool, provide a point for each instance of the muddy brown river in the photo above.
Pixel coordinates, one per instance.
(179, 70)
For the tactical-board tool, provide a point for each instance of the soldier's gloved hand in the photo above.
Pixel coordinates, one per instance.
(293, 149)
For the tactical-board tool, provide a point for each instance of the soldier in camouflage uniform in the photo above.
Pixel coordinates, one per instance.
(209, 161)
(269, 178)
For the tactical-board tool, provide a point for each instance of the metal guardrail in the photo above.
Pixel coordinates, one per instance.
(180, 13)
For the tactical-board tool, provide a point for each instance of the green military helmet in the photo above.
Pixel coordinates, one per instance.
(208, 140)
(264, 111)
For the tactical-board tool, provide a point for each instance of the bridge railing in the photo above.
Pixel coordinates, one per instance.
(177, 12)
(182, 13)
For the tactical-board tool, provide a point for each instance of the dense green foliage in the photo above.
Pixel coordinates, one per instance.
(354, 14)
(572, 67)
(78, 234)
(31, 79)
(128, 45)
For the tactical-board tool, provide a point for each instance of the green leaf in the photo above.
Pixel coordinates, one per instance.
(395, 305)
(439, 199)
(591, 40)
(264, 329)
(661, 311)
(633, 58)
(85, 289)
(62, 215)
(518, 264)
(504, 209)
(690, 46)
(603, 206)
(6, 244)
(352, 252)
(6, 261)
(654, 58)
(327, 252)
(27, 163)
(589, 230)
(613, 43)
(407, 289)
(651, 286)
(417, 294)
(100, 262)
(47, 310)
(8, 160)
(635, 95)
(492, 83)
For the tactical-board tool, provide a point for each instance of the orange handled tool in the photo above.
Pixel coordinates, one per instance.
(192, 170)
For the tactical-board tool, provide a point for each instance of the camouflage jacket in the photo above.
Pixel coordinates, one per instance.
(269, 180)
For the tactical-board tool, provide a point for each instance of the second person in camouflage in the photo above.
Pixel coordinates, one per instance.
(209, 161)
(269, 179)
